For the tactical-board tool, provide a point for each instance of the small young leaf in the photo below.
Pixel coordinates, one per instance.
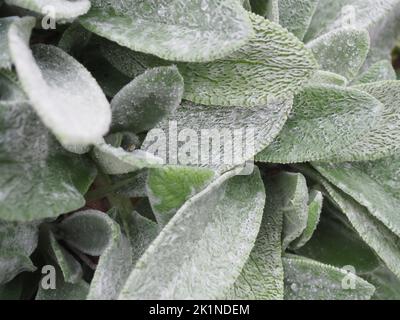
(347, 45)
(145, 101)
(59, 9)
(170, 187)
(324, 121)
(294, 207)
(295, 15)
(51, 77)
(306, 279)
(277, 63)
(118, 161)
(189, 30)
(201, 251)
(329, 78)
(314, 212)
(89, 231)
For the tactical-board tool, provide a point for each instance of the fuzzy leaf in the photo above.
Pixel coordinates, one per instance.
(51, 77)
(114, 264)
(145, 101)
(384, 242)
(262, 276)
(37, 179)
(324, 121)
(314, 212)
(306, 279)
(60, 9)
(5, 25)
(277, 63)
(189, 30)
(201, 251)
(295, 15)
(365, 191)
(13, 263)
(347, 45)
(380, 71)
(294, 207)
(170, 187)
(257, 125)
(64, 291)
(118, 161)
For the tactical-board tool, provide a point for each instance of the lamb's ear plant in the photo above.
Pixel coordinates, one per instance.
(108, 190)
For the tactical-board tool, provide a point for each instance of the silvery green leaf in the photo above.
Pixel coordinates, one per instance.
(324, 121)
(306, 279)
(295, 15)
(380, 71)
(314, 212)
(329, 78)
(170, 187)
(348, 45)
(294, 207)
(59, 9)
(13, 263)
(118, 161)
(51, 77)
(262, 276)
(37, 178)
(141, 233)
(246, 4)
(380, 18)
(192, 31)
(70, 267)
(64, 290)
(145, 101)
(335, 242)
(135, 187)
(383, 241)
(366, 191)
(277, 63)
(89, 231)
(272, 10)
(200, 252)
(241, 131)
(382, 140)
(114, 265)
(17, 242)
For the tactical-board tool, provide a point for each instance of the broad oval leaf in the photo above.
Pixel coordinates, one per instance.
(145, 101)
(201, 251)
(347, 45)
(37, 178)
(277, 63)
(50, 77)
(189, 30)
(324, 121)
(380, 71)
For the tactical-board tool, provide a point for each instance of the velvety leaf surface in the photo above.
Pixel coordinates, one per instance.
(310, 280)
(170, 187)
(145, 101)
(192, 31)
(349, 46)
(295, 15)
(314, 212)
(5, 24)
(329, 78)
(51, 77)
(188, 254)
(277, 63)
(37, 179)
(324, 121)
(380, 71)
(250, 130)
